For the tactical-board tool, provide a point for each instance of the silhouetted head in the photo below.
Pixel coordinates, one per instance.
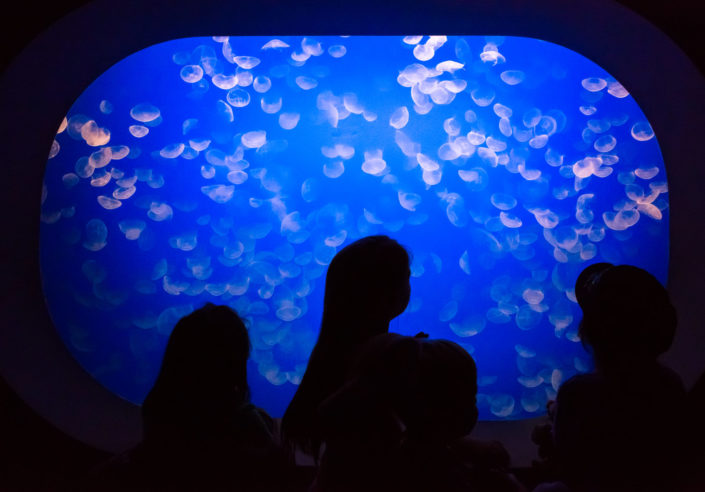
(626, 313)
(203, 373)
(367, 281)
(437, 400)
(208, 349)
(429, 385)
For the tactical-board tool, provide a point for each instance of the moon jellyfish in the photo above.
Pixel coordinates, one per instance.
(274, 44)
(238, 98)
(503, 201)
(254, 139)
(108, 203)
(138, 131)
(337, 50)
(617, 90)
(646, 172)
(374, 164)
(96, 233)
(288, 121)
(605, 143)
(594, 84)
(306, 83)
(132, 228)
(491, 55)
(262, 83)
(191, 73)
(172, 151)
(271, 105)
(333, 169)
(246, 62)
(483, 97)
(94, 135)
(223, 81)
(512, 77)
(106, 107)
(502, 405)
(233, 169)
(218, 193)
(642, 131)
(145, 112)
(160, 212)
(399, 118)
(70, 180)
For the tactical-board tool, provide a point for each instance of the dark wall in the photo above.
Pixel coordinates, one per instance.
(682, 20)
(35, 455)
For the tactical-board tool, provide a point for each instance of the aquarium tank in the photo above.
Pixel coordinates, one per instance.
(232, 169)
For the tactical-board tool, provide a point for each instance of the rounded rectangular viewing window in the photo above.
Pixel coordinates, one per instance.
(232, 169)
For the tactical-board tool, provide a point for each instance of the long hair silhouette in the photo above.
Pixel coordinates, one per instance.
(367, 285)
(203, 376)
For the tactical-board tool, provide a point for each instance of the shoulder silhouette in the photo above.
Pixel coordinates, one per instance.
(618, 427)
(200, 430)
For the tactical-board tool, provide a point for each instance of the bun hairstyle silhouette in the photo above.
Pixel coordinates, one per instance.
(367, 285)
(626, 313)
(392, 424)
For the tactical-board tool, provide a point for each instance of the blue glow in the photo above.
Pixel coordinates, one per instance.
(231, 170)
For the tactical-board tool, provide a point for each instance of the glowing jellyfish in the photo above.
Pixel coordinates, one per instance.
(594, 84)
(132, 228)
(274, 44)
(246, 62)
(238, 98)
(95, 237)
(145, 113)
(512, 77)
(503, 201)
(399, 118)
(333, 169)
(191, 73)
(423, 52)
(426, 163)
(642, 131)
(374, 163)
(306, 83)
(123, 193)
(262, 83)
(160, 212)
(172, 151)
(237, 176)
(288, 121)
(138, 131)
(108, 203)
(94, 135)
(271, 105)
(224, 82)
(254, 139)
(646, 172)
(617, 90)
(337, 50)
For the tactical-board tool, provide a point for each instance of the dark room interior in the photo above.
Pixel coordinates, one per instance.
(34, 453)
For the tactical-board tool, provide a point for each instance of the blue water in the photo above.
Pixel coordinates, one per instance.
(232, 171)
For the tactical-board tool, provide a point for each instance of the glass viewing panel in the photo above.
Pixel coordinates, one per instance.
(231, 170)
